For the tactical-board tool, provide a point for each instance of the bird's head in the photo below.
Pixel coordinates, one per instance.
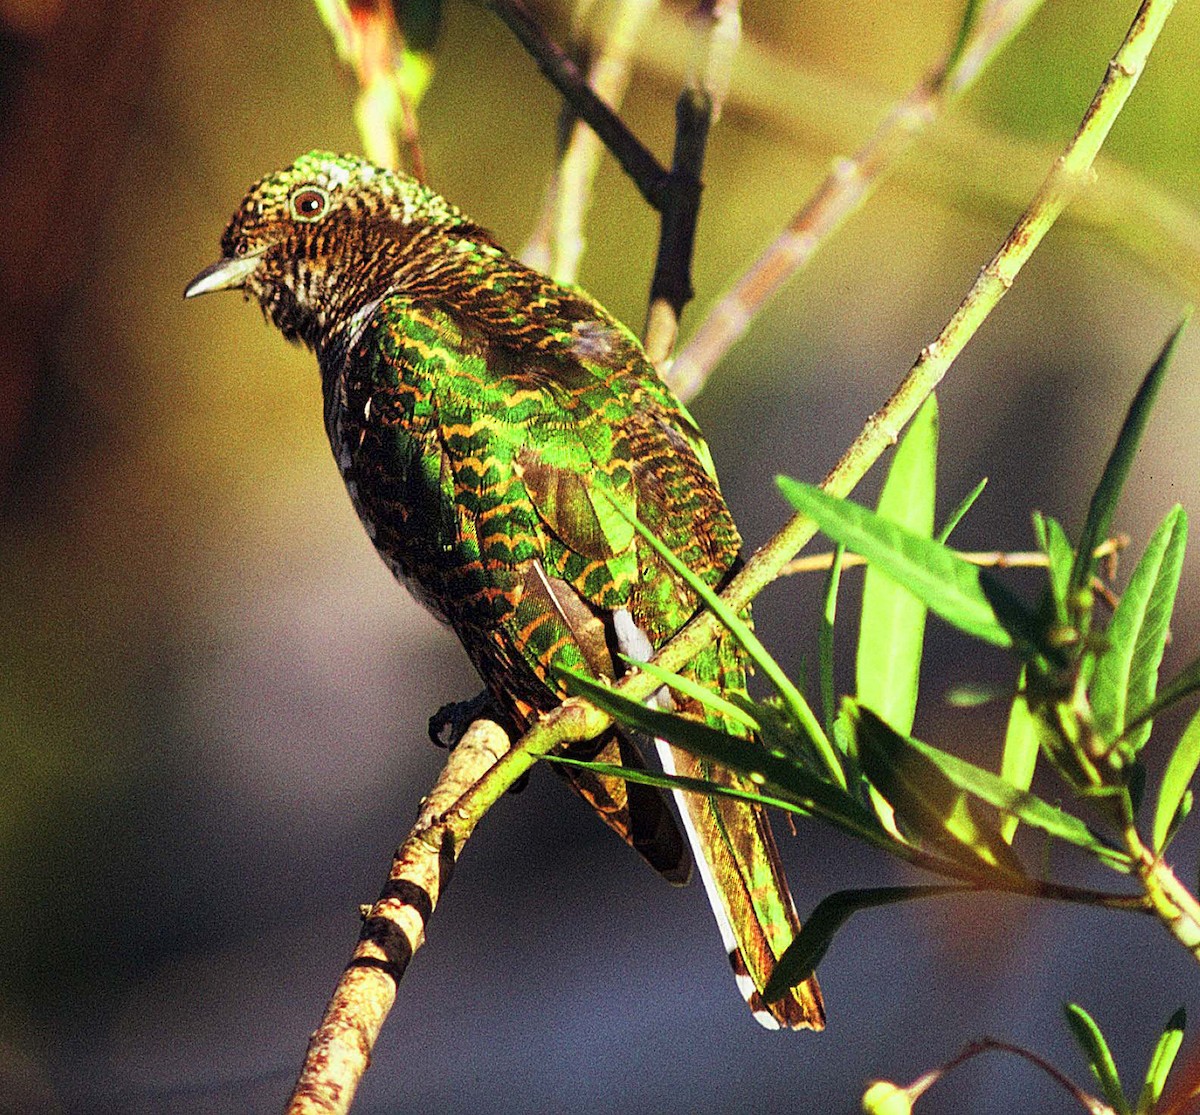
(322, 238)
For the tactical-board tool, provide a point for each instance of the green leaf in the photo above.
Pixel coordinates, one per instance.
(892, 629)
(1001, 794)
(961, 593)
(1060, 556)
(802, 956)
(1181, 769)
(825, 639)
(1100, 1060)
(1161, 1061)
(746, 639)
(957, 514)
(927, 803)
(1108, 491)
(1019, 758)
(1182, 685)
(690, 687)
(782, 775)
(1126, 673)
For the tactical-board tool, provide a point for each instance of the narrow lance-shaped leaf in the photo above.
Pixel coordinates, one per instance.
(1002, 795)
(825, 640)
(1019, 757)
(690, 687)
(1108, 491)
(927, 804)
(746, 639)
(1181, 769)
(781, 773)
(1126, 673)
(1060, 560)
(803, 955)
(1100, 1060)
(892, 629)
(956, 516)
(1161, 1061)
(1182, 685)
(961, 593)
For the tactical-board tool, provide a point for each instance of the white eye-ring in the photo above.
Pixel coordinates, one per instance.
(309, 203)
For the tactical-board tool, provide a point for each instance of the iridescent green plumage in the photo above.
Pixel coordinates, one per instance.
(486, 420)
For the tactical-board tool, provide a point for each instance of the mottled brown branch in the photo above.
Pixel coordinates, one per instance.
(393, 929)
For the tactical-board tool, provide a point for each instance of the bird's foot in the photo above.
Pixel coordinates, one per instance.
(448, 725)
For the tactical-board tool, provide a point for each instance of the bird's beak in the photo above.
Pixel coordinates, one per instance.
(225, 274)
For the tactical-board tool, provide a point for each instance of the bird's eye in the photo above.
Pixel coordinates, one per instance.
(309, 203)
(240, 248)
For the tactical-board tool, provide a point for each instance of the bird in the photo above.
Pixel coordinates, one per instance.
(491, 425)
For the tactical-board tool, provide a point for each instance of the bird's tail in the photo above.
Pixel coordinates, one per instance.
(738, 862)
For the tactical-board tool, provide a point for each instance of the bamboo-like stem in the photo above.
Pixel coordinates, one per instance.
(844, 191)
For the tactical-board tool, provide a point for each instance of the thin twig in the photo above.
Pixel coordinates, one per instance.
(843, 192)
(674, 194)
(984, 1045)
(644, 170)
(717, 33)
(992, 559)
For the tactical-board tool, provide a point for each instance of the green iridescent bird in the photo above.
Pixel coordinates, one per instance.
(485, 419)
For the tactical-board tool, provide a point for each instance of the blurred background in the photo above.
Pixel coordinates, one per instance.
(213, 697)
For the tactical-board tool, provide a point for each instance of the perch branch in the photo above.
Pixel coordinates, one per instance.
(393, 929)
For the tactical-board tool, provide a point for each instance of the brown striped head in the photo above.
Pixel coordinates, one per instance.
(322, 238)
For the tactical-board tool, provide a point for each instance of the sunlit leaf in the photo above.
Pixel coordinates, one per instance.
(1126, 673)
(690, 687)
(778, 773)
(746, 639)
(1181, 769)
(892, 629)
(1161, 1061)
(1003, 795)
(803, 955)
(961, 593)
(956, 516)
(927, 803)
(825, 639)
(1100, 1060)
(1019, 758)
(1104, 501)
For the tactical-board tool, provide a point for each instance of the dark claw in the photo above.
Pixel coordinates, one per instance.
(448, 725)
